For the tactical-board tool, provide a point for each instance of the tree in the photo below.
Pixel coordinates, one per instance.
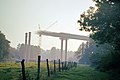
(99, 55)
(4, 46)
(13, 53)
(104, 23)
(83, 53)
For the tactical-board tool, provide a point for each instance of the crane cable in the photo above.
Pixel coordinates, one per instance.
(51, 25)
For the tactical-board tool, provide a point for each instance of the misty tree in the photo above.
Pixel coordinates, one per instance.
(104, 23)
(99, 54)
(4, 46)
(53, 53)
(81, 55)
(13, 53)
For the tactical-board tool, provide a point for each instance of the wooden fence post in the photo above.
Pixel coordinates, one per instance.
(65, 65)
(62, 66)
(75, 64)
(38, 75)
(48, 68)
(68, 65)
(54, 67)
(23, 69)
(59, 65)
(72, 64)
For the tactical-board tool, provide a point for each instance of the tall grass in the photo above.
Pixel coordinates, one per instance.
(82, 72)
(12, 71)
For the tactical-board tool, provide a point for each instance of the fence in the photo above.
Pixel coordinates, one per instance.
(52, 67)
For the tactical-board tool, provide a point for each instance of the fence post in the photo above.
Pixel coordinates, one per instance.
(72, 64)
(75, 64)
(59, 65)
(38, 75)
(23, 69)
(65, 65)
(54, 67)
(62, 66)
(68, 65)
(48, 68)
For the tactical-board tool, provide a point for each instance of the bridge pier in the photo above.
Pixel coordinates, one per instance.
(26, 55)
(62, 39)
(61, 49)
(66, 50)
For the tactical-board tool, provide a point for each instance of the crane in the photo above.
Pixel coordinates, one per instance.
(40, 37)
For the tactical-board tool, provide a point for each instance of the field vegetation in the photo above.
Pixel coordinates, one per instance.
(12, 71)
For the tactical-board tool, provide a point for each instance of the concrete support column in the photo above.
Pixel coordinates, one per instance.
(26, 34)
(29, 43)
(66, 50)
(61, 49)
(26, 51)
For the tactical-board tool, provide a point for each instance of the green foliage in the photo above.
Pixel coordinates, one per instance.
(101, 61)
(4, 46)
(83, 54)
(100, 55)
(104, 22)
(106, 63)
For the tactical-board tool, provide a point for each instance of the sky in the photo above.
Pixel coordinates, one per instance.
(20, 16)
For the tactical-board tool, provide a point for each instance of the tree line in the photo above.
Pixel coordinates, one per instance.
(4, 46)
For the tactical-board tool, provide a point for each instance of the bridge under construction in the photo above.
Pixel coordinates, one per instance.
(63, 36)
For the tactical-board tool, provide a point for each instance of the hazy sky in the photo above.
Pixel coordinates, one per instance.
(20, 16)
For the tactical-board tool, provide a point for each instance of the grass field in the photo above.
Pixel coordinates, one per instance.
(12, 71)
(82, 72)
